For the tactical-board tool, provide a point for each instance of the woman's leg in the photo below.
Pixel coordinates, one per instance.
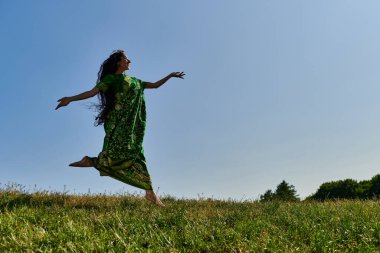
(152, 197)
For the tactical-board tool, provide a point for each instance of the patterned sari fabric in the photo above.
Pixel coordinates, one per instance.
(122, 157)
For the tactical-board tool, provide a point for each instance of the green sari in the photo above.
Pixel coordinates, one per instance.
(122, 156)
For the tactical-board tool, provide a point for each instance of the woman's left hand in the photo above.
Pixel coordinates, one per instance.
(177, 74)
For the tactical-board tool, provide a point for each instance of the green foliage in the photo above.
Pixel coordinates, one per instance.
(58, 222)
(267, 196)
(348, 189)
(284, 192)
(374, 189)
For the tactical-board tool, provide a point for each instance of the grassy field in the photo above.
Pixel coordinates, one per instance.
(59, 222)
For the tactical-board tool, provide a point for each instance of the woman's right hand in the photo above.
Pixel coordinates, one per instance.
(63, 102)
(177, 74)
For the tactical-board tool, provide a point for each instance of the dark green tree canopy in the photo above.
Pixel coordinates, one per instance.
(348, 189)
(284, 192)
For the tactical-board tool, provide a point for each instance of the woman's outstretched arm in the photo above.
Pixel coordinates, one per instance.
(87, 94)
(163, 80)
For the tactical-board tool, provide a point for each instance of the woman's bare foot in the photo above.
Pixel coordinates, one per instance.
(85, 162)
(152, 197)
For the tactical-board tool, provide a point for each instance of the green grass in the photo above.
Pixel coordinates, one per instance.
(59, 222)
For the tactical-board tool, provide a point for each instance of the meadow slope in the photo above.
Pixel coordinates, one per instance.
(59, 222)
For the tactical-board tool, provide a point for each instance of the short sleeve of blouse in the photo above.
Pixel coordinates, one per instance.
(104, 84)
(141, 82)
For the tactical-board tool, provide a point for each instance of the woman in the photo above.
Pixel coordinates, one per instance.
(122, 111)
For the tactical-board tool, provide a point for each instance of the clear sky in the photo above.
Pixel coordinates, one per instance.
(274, 90)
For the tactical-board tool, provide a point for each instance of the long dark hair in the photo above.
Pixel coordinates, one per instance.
(107, 99)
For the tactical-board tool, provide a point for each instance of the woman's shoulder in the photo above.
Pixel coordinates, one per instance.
(108, 77)
(134, 79)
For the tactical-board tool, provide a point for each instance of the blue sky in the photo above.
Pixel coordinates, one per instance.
(275, 90)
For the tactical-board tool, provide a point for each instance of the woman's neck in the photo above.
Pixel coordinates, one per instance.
(119, 72)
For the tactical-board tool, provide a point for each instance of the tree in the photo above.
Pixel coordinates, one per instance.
(284, 192)
(363, 189)
(342, 189)
(348, 189)
(374, 190)
(267, 196)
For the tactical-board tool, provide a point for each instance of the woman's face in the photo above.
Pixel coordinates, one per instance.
(124, 63)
